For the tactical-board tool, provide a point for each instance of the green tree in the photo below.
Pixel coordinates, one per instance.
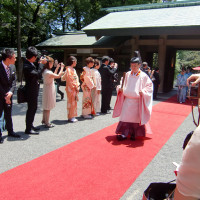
(39, 18)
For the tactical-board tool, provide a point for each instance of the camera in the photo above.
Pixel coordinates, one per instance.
(193, 91)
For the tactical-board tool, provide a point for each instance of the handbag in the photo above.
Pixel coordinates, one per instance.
(21, 92)
(187, 139)
(160, 191)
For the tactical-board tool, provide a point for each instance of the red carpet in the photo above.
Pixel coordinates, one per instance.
(94, 167)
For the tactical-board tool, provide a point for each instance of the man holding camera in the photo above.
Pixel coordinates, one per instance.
(32, 76)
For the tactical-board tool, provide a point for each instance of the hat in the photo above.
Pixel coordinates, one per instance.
(135, 60)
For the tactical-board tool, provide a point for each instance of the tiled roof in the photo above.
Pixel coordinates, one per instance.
(178, 16)
(81, 40)
(152, 6)
(71, 39)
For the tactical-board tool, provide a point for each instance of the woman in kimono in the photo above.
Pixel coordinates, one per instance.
(87, 85)
(72, 88)
(96, 91)
(137, 105)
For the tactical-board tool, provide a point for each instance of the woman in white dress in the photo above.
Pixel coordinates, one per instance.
(49, 91)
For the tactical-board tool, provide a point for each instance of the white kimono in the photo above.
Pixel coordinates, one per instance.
(137, 109)
(96, 98)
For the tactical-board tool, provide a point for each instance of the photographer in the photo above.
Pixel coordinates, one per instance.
(188, 178)
(32, 76)
(49, 92)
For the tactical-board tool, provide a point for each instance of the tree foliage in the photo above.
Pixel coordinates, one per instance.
(40, 18)
(186, 59)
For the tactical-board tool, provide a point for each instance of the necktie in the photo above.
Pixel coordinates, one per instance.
(8, 72)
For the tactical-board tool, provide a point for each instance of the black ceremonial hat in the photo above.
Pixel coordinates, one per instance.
(135, 60)
(136, 57)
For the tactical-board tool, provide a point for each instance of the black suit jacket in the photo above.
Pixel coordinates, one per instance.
(157, 78)
(107, 76)
(6, 84)
(32, 76)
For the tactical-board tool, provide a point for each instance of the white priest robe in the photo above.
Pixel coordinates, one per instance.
(137, 109)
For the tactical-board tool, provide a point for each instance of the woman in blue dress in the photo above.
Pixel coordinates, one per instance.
(182, 85)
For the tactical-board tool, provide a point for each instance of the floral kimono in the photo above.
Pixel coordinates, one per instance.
(87, 85)
(72, 90)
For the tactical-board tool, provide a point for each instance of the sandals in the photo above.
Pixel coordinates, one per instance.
(49, 125)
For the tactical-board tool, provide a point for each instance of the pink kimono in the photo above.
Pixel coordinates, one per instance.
(72, 90)
(136, 109)
(87, 85)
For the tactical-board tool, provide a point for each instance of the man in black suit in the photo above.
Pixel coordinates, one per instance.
(107, 84)
(7, 87)
(156, 82)
(32, 76)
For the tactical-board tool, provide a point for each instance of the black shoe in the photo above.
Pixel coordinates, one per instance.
(121, 137)
(62, 96)
(35, 128)
(13, 134)
(1, 140)
(32, 132)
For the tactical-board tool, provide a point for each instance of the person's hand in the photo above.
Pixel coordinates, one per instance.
(195, 78)
(8, 102)
(62, 65)
(58, 66)
(140, 93)
(8, 97)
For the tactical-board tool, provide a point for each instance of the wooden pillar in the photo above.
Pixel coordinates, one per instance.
(65, 56)
(134, 44)
(169, 68)
(161, 61)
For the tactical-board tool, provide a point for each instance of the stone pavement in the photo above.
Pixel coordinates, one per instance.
(14, 152)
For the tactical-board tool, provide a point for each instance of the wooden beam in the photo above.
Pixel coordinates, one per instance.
(187, 43)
